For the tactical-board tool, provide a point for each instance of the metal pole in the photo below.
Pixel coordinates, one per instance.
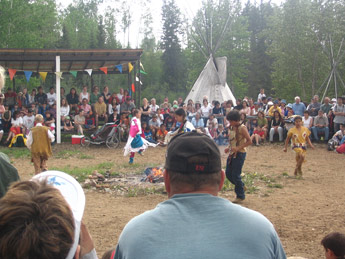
(58, 114)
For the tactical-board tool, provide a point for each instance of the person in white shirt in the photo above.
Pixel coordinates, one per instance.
(261, 94)
(51, 96)
(154, 107)
(16, 128)
(28, 121)
(120, 95)
(84, 95)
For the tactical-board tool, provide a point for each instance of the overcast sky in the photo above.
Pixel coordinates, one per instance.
(188, 9)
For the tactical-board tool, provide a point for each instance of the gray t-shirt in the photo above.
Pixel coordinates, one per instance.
(339, 118)
(199, 226)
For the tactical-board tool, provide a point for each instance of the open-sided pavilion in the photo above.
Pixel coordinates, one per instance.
(66, 60)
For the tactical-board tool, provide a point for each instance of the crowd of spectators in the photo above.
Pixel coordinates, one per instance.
(267, 118)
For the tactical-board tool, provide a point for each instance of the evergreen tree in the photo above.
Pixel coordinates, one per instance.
(170, 44)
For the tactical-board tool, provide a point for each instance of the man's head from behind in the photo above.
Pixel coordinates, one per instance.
(334, 244)
(193, 164)
(35, 222)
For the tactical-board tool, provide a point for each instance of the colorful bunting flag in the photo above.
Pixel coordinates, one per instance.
(130, 67)
(142, 72)
(119, 67)
(28, 75)
(133, 88)
(141, 65)
(74, 73)
(12, 72)
(104, 69)
(138, 80)
(89, 71)
(59, 75)
(43, 75)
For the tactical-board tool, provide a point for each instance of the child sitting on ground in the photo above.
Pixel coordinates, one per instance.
(299, 136)
(161, 133)
(67, 124)
(333, 143)
(212, 129)
(258, 135)
(148, 135)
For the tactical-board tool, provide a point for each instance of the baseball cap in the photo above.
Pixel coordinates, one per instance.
(270, 103)
(334, 100)
(192, 144)
(289, 105)
(283, 101)
(74, 196)
(276, 102)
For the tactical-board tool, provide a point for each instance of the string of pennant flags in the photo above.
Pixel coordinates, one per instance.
(43, 75)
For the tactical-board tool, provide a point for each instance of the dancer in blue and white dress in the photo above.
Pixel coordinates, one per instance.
(135, 142)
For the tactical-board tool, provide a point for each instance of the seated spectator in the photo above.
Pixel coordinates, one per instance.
(254, 111)
(190, 111)
(43, 109)
(221, 136)
(198, 107)
(28, 122)
(258, 135)
(245, 108)
(308, 121)
(320, 126)
(263, 123)
(148, 134)
(45, 222)
(100, 110)
(10, 98)
(113, 105)
(161, 133)
(114, 117)
(120, 96)
(145, 110)
(274, 108)
(341, 148)
(79, 122)
(212, 128)
(269, 105)
(154, 124)
(64, 109)
(326, 106)
(154, 108)
(166, 101)
(127, 106)
(205, 110)
(73, 100)
(16, 128)
(314, 106)
(49, 121)
(94, 95)
(32, 96)
(277, 125)
(251, 125)
(283, 107)
(334, 245)
(67, 124)
(124, 125)
(244, 119)
(170, 121)
(212, 119)
(339, 113)
(334, 142)
(86, 108)
(41, 100)
(106, 94)
(288, 108)
(197, 121)
(51, 96)
(298, 107)
(193, 177)
(6, 119)
(217, 110)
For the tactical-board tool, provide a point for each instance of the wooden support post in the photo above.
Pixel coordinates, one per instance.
(139, 84)
(58, 97)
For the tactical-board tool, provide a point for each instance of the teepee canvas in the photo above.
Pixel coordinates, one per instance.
(212, 83)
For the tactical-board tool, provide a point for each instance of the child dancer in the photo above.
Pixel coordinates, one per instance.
(135, 142)
(299, 136)
(239, 139)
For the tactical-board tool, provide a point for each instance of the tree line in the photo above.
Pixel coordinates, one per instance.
(284, 49)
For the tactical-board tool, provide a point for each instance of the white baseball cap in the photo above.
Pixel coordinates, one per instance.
(73, 194)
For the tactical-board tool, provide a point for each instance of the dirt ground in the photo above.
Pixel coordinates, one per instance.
(302, 210)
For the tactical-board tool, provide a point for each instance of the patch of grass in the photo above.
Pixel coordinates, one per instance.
(285, 174)
(275, 185)
(66, 153)
(16, 152)
(81, 173)
(84, 156)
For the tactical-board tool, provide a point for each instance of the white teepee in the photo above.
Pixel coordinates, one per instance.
(212, 83)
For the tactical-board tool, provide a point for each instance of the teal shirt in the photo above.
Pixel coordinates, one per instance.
(199, 226)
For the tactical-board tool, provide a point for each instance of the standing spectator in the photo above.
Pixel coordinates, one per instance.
(326, 106)
(83, 95)
(145, 111)
(277, 125)
(205, 110)
(238, 105)
(101, 110)
(153, 107)
(41, 100)
(127, 106)
(10, 98)
(38, 142)
(166, 100)
(51, 96)
(106, 95)
(254, 111)
(320, 126)
(339, 112)
(94, 95)
(298, 107)
(6, 119)
(120, 95)
(261, 95)
(314, 106)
